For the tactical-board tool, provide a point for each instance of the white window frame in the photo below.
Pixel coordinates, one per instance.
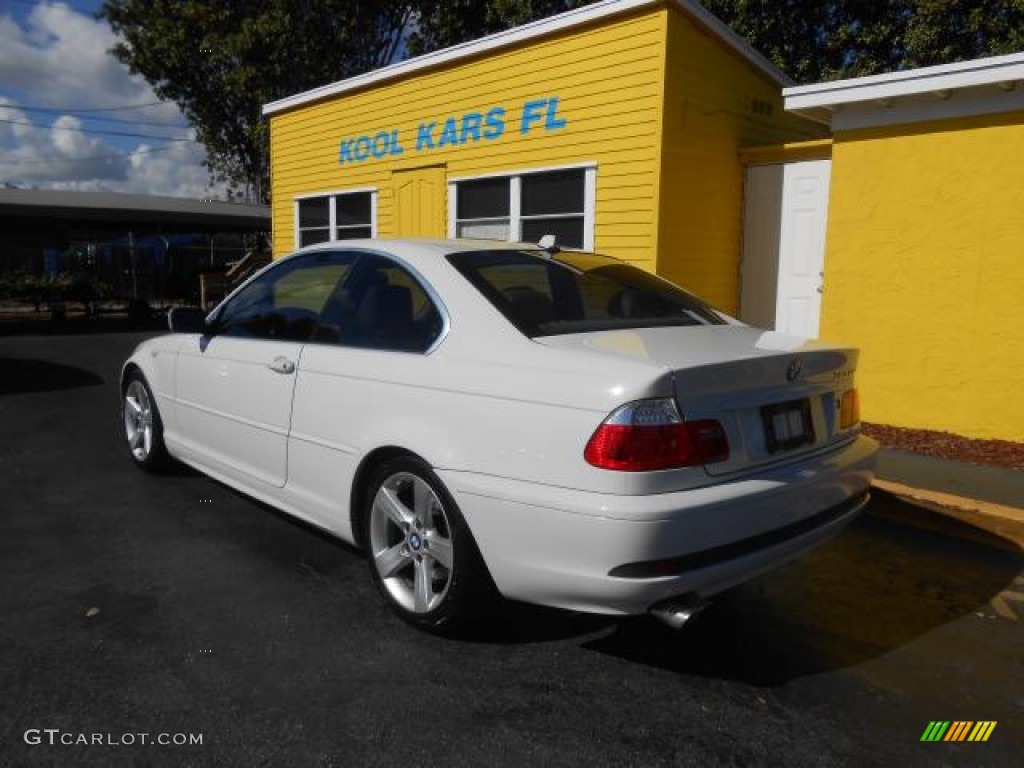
(515, 226)
(332, 208)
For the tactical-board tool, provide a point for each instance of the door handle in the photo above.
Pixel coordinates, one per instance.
(282, 365)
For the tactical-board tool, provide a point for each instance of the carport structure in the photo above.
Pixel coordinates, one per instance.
(36, 221)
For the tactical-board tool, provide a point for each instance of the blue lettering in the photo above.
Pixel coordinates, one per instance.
(495, 121)
(345, 153)
(531, 114)
(553, 122)
(424, 136)
(380, 144)
(448, 133)
(396, 148)
(470, 127)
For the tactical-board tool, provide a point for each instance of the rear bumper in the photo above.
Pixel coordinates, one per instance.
(597, 552)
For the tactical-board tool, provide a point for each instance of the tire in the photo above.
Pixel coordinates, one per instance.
(142, 428)
(421, 553)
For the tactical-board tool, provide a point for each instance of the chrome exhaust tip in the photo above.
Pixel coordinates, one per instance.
(677, 611)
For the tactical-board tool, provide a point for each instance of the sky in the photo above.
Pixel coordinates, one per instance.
(64, 101)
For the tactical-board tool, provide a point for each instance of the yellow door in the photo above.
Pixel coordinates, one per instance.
(420, 195)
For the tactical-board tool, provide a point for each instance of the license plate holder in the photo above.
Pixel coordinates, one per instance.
(787, 425)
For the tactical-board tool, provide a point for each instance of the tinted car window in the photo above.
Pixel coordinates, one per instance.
(577, 292)
(285, 302)
(380, 305)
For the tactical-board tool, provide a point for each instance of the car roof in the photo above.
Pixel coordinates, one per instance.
(415, 248)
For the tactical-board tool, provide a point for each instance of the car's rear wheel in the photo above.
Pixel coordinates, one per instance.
(143, 429)
(421, 552)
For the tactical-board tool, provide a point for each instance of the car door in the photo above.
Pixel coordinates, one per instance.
(234, 387)
(370, 354)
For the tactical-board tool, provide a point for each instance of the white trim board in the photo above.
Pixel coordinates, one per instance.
(964, 88)
(925, 107)
(325, 193)
(524, 171)
(568, 20)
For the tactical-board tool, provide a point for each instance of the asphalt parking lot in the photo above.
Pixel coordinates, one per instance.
(139, 605)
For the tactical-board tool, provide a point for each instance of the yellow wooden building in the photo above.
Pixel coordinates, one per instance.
(616, 126)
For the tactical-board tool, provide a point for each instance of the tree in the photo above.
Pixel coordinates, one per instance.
(440, 24)
(941, 31)
(812, 40)
(221, 60)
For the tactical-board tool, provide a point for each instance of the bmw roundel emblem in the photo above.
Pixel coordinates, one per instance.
(793, 371)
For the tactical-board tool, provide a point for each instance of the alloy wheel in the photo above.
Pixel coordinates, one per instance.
(138, 420)
(411, 542)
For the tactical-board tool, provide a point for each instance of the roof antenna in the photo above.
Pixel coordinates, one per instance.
(549, 243)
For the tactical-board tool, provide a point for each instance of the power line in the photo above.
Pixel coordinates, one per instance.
(96, 119)
(90, 109)
(84, 159)
(91, 130)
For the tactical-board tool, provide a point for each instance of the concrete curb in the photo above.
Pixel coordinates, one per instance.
(1003, 524)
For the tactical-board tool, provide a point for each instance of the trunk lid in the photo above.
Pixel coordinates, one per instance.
(778, 397)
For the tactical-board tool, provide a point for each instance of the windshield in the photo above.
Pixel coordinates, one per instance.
(577, 292)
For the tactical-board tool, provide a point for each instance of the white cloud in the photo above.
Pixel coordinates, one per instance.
(60, 58)
(61, 55)
(70, 141)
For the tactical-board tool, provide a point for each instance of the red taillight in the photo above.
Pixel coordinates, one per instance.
(650, 435)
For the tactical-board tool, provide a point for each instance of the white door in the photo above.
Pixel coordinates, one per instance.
(802, 247)
(234, 403)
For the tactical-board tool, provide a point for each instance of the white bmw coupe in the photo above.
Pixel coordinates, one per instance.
(559, 425)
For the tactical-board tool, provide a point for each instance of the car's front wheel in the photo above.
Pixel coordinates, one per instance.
(421, 552)
(143, 429)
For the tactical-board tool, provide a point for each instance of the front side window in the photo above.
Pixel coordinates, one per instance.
(577, 293)
(285, 303)
(341, 216)
(527, 206)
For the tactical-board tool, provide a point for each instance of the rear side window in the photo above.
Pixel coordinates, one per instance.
(577, 293)
(380, 305)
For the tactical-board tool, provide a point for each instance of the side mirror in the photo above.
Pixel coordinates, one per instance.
(187, 320)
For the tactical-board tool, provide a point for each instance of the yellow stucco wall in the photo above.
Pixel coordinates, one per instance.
(715, 103)
(608, 79)
(924, 271)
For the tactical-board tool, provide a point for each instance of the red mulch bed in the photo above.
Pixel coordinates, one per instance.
(945, 445)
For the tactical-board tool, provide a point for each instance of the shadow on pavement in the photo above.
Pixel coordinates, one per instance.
(971, 525)
(81, 325)
(322, 557)
(514, 623)
(876, 588)
(29, 375)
